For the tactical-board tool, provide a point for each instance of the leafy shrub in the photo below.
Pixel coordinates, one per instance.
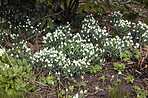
(15, 77)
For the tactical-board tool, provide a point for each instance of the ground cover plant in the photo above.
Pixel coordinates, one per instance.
(57, 61)
(15, 76)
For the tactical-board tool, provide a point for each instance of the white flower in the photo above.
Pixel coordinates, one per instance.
(119, 72)
(68, 70)
(96, 87)
(82, 77)
(2, 52)
(85, 91)
(76, 96)
(112, 76)
(81, 91)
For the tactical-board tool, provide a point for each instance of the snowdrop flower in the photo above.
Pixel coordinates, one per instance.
(119, 72)
(112, 76)
(96, 87)
(85, 91)
(81, 91)
(68, 70)
(76, 96)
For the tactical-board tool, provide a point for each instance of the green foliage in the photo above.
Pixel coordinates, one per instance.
(144, 2)
(119, 67)
(91, 32)
(102, 78)
(129, 79)
(95, 69)
(114, 89)
(48, 80)
(65, 9)
(15, 76)
(121, 29)
(68, 54)
(98, 89)
(87, 7)
(112, 47)
(139, 33)
(32, 18)
(131, 34)
(137, 53)
(20, 50)
(71, 88)
(141, 92)
(62, 93)
(126, 55)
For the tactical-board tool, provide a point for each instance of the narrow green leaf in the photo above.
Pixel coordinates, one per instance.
(49, 22)
(42, 24)
(4, 30)
(10, 91)
(20, 63)
(25, 62)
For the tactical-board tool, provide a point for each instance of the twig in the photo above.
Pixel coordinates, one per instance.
(52, 94)
(41, 83)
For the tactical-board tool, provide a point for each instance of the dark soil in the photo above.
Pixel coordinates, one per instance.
(125, 88)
